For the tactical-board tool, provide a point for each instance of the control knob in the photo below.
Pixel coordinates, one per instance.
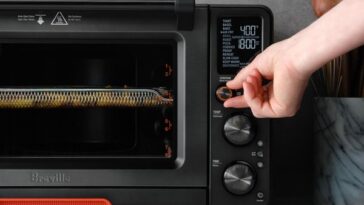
(239, 178)
(223, 93)
(239, 130)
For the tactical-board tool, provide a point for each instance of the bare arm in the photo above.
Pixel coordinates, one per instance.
(337, 32)
(290, 63)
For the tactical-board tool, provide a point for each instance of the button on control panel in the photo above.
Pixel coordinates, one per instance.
(223, 93)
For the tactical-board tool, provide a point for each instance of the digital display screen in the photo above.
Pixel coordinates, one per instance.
(239, 41)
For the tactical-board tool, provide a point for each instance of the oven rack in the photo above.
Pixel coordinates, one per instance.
(23, 98)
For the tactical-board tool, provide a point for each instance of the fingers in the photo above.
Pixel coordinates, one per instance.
(251, 95)
(259, 106)
(236, 83)
(255, 73)
(255, 96)
(255, 80)
(236, 102)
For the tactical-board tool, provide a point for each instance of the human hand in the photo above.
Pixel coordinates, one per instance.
(289, 64)
(281, 97)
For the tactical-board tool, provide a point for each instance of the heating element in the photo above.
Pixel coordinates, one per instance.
(83, 97)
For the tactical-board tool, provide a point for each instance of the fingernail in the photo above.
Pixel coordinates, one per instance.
(225, 104)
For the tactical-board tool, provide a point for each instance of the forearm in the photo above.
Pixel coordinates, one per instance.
(335, 33)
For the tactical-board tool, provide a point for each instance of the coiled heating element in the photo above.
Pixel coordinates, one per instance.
(14, 98)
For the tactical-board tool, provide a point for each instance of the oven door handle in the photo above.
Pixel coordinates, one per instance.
(184, 9)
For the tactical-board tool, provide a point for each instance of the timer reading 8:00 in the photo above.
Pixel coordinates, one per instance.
(247, 44)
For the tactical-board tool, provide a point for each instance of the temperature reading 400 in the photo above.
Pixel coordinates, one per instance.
(249, 30)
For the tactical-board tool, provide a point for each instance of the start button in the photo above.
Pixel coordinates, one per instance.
(223, 93)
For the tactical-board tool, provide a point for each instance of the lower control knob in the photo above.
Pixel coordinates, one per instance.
(239, 130)
(239, 178)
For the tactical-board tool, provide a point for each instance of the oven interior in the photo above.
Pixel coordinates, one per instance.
(124, 129)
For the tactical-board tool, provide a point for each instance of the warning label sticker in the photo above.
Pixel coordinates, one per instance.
(59, 20)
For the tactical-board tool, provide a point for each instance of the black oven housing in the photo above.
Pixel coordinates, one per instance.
(189, 182)
(116, 22)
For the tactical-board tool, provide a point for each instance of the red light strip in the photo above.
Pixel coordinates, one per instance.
(53, 201)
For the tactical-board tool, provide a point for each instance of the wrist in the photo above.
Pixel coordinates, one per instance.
(300, 56)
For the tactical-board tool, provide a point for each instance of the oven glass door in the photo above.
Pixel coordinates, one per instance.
(89, 99)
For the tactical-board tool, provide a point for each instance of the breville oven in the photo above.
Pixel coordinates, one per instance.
(120, 102)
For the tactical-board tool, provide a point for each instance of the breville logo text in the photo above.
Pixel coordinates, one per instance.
(56, 178)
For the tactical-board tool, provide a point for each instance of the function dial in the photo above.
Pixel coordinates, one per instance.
(239, 130)
(223, 93)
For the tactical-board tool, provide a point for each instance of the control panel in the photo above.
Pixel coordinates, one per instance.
(239, 163)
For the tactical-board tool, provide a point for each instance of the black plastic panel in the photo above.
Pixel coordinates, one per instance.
(223, 153)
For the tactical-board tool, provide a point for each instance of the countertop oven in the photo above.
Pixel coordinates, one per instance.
(122, 101)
